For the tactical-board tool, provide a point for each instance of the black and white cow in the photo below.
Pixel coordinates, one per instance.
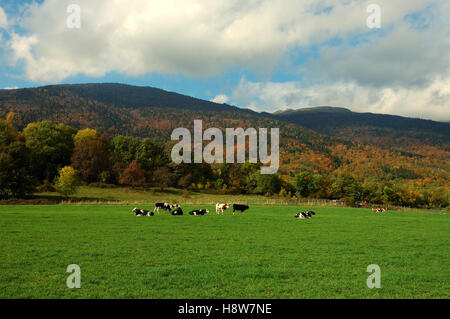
(177, 211)
(240, 208)
(137, 211)
(303, 215)
(164, 206)
(142, 212)
(199, 212)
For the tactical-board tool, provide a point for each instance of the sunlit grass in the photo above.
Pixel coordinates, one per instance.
(263, 253)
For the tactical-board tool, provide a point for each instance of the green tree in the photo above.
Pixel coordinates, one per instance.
(124, 148)
(15, 177)
(150, 155)
(307, 184)
(251, 183)
(51, 146)
(346, 187)
(68, 181)
(268, 184)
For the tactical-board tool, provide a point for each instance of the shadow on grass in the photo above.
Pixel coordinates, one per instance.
(49, 200)
(54, 198)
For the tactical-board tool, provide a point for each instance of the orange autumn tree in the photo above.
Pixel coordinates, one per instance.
(133, 175)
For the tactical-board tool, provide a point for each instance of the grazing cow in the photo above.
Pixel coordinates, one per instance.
(164, 206)
(199, 212)
(240, 208)
(221, 207)
(177, 212)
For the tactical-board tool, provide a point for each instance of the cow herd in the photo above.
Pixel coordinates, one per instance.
(176, 210)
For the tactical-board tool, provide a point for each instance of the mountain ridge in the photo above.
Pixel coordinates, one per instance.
(312, 146)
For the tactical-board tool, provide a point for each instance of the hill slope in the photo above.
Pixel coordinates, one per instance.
(387, 131)
(150, 112)
(147, 112)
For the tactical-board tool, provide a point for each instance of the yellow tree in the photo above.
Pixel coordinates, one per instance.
(85, 135)
(67, 181)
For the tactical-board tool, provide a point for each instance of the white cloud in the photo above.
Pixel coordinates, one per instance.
(404, 57)
(399, 69)
(11, 88)
(220, 98)
(3, 19)
(191, 37)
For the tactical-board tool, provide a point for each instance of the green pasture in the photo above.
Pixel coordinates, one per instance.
(262, 253)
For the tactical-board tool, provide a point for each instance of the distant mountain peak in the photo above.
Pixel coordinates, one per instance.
(312, 109)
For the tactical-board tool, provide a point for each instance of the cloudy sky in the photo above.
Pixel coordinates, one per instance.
(262, 54)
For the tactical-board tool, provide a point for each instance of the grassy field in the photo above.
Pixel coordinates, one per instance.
(263, 253)
(140, 196)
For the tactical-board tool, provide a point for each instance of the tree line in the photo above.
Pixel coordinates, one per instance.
(49, 156)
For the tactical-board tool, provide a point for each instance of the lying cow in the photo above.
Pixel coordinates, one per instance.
(379, 210)
(199, 212)
(304, 215)
(176, 212)
(240, 208)
(301, 215)
(221, 207)
(137, 211)
(142, 212)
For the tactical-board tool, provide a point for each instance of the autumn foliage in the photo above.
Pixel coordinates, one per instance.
(133, 175)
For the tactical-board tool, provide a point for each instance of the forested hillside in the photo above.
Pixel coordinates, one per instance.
(387, 131)
(330, 149)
